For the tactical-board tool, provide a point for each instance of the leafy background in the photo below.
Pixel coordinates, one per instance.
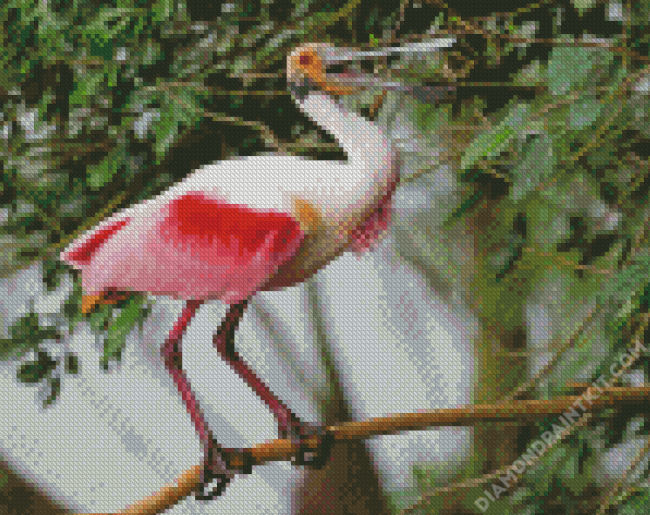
(544, 121)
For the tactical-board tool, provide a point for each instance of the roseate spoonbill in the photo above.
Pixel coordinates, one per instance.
(236, 227)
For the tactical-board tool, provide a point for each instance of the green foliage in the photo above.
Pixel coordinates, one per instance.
(52, 271)
(575, 68)
(26, 335)
(72, 68)
(119, 328)
(72, 306)
(503, 138)
(556, 193)
(36, 370)
(71, 364)
(637, 503)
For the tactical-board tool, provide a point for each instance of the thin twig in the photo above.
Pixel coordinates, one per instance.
(267, 134)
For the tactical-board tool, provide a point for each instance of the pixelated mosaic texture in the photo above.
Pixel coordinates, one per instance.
(515, 264)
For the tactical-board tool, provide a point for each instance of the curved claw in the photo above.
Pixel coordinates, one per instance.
(218, 467)
(306, 456)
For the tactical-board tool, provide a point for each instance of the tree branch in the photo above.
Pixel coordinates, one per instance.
(283, 450)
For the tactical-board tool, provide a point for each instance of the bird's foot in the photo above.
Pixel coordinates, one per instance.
(301, 435)
(218, 468)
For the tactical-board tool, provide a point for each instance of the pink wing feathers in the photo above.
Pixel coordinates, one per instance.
(198, 246)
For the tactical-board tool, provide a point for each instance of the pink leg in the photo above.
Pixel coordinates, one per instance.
(172, 353)
(289, 424)
(224, 342)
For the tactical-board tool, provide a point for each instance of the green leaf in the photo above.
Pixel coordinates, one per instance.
(543, 474)
(54, 384)
(99, 319)
(26, 335)
(534, 168)
(72, 306)
(417, 69)
(86, 88)
(584, 112)
(119, 328)
(626, 292)
(37, 370)
(584, 5)
(505, 143)
(571, 68)
(637, 503)
(71, 364)
(8, 349)
(101, 174)
(179, 111)
(499, 138)
(531, 75)
(52, 270)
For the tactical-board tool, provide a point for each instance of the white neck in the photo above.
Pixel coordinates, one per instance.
(360, 138)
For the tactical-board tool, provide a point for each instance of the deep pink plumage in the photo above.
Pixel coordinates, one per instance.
(194, 246)
(207, 222)
(83, 255)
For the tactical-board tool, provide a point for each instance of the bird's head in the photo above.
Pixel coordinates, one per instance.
(309, 68)
(325, 67)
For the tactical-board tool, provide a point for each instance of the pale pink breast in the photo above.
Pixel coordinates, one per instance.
(374, 227)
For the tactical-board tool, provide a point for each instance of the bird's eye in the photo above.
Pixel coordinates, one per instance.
(305, 60)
